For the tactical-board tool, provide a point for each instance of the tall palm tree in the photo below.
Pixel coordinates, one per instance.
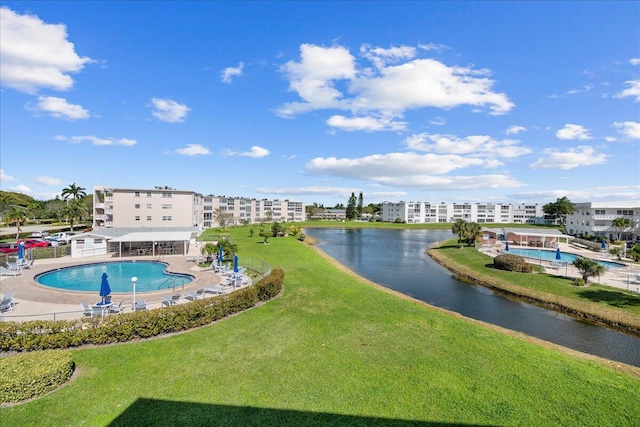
(472, 232)
(16, 215)
(459, 227)
(74, 210)
(588, 268)
(621, 224)
(74, 191)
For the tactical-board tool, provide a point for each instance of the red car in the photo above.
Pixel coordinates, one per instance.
(34, 243)
(8, 248)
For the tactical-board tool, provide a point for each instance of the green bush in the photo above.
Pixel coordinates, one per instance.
(510, 262)
(579, 281)
(46, 334)
(29, 375)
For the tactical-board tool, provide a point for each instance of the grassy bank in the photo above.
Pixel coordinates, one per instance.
(604, 304)
(335, 350)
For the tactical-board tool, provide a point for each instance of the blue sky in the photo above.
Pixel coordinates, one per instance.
(504, 102)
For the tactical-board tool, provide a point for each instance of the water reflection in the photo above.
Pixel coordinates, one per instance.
(398, 260)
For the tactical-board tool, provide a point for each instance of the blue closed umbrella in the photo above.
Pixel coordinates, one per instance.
(604, 244)
(558, 255)
(220, 254)
(105, 289)
(21, 250)
(506, 246)
(235, 264)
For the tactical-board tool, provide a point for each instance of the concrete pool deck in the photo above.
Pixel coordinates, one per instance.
(38, 302)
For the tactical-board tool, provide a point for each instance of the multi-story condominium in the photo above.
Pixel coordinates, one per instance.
(167, 207)
(596, 219)
(426, 212)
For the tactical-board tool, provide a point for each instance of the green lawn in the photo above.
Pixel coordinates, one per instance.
(616, 305)
(334, 350)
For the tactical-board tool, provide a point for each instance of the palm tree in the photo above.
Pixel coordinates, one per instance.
(222, 217)
(459, 228)
(74, 210)
(74, 191)
(269, 215)
(472, 232)
(588, 268)
(621, 224)
(16, 215)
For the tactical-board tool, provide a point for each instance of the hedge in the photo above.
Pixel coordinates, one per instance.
(47, 334)
(29, 375)
(510, 262)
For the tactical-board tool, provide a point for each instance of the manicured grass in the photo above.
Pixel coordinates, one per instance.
(615, 305)
(335, 350)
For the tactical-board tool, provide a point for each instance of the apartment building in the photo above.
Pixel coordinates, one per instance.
(596, 219)
(426, 212)
(167, 207)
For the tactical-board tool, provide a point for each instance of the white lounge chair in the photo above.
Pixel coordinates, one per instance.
(6, 304)
(166, 301)
(10, 270)
(218, 290)
(28, 264)
(87, 309)
(175, 298)
(140, 305)
(116, 309)
(97, 311)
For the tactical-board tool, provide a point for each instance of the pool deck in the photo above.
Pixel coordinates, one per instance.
(38, 302)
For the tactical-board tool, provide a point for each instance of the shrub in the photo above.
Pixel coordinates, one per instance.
(510, 262)
(45, 334)
(29, 375)
(578, 281)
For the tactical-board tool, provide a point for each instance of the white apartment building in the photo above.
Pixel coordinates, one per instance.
(426, 212)
(596, 219)
(167, 207)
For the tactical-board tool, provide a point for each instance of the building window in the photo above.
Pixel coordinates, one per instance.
(166, 218)
(148, 205)
(137, 206)
(148, 217)
(137, 218)
(136, 194)
(166, 206)
(80, 242)
(98, 241)
(166, 194)
(148, 193)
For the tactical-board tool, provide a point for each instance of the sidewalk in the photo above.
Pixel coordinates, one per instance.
(38, 302)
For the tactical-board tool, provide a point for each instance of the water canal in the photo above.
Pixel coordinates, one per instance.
(397, 259)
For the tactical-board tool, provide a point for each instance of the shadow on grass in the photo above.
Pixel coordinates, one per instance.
(154, 412)
(613, 298)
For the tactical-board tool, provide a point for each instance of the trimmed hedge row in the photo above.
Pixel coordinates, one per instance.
(29, 375)
(510, 262)
(47, 334)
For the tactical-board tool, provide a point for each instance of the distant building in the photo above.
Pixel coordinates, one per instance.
(596, 219)
(484, 213)
(330, 214)
(167, 207)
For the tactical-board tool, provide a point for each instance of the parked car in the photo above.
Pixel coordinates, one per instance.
(8, 248)
(39, 234)
(34, 243)
(62, 238)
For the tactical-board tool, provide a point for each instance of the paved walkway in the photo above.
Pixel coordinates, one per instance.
(37, 302)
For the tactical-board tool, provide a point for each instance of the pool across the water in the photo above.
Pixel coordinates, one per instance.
(551, 256)
(152, 276)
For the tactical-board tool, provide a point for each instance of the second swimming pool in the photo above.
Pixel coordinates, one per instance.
(551, 256)
(152, 276)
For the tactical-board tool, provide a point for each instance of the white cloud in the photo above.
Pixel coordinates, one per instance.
(585, 88)
(193, 150)
(438, 121)
(570, 131)
(369, 124)
(634, 61)
(47, 180)
(633, 91)
(614, 193)
(97, 141)
(61, 109)
(513, 130)
(426, 171)
(255, 152)
(308, 191)
(34, 54)
(610, 138)
(572, 158)
(5, 177)
(384, 90)
(21, 189)
(629, 129)
(433, 46)
(169, 110)
(472, 145)
(230, 72)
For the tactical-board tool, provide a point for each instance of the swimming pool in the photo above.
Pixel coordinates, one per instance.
(551, 256)
(152, 276)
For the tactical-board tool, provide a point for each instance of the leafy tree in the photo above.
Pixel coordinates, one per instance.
(251, 231)
(588, 268)
(294, 229)
(560, 209)
(459, 227)
(621, 224)
(360, 206)
(634, 253)
(350, 213)
(276, 229)
(76, 209)
(222, 217)
(265, 235)
(74, 191)
(16, 215)
(472, 231)
(269, 215)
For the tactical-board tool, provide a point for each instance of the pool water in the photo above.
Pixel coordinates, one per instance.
(551, 256)
(152, 276)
